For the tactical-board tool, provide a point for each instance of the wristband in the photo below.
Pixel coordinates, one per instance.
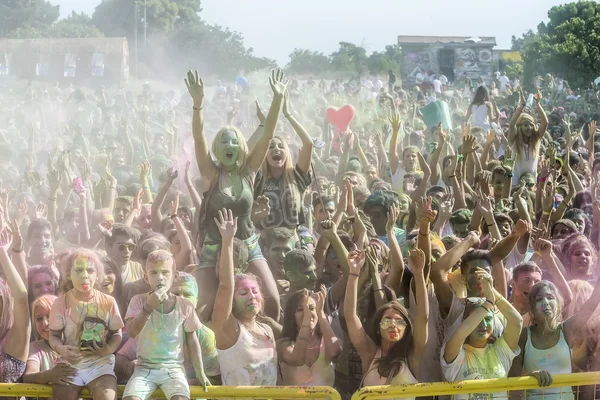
(353, 274)
(17, 250)
(423, 234)
(287, 116)
(548, 213)
(491, 224)
(197, 109)
(542, 179)
(537, 253)
(261, 125)
(451, 176)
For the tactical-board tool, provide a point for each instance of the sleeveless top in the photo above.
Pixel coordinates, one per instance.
(403, 377)
(321, 373)
(250, 361)
(480, 116)
(556, 360)
(240, 205)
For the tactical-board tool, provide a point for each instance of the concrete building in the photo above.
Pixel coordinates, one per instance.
(456, 57)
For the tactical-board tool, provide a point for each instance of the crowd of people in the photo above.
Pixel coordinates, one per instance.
(288, 253)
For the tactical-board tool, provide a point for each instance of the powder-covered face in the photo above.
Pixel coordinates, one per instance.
(581, 259)
(303, 277)
(392, 326)
(160, 273)
(276, 154)
(312, 309)
(187, 290)
(41, 317)
(410, 159)
(526, 127)
(485, 328)
(474, 285)
(84, 273)
(42, 243)
(247, 298)
(229, 153)
(525, 281)
(108, 286)
(560, 231)
(403, 204)
(42, 284)
(579, 221)
(145, 218)
(546, 305)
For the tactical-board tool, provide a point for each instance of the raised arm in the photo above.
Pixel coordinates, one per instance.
(543, 117)
(182, 259)
(17, 339)
(305, 156)
(259, 152)
(195, 87)
(582, 316)
(333, 346)
(393, 152)
(222, 318)
(157, 216)
(358, 336)
(417, 262)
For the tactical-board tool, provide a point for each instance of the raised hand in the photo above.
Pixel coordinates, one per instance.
(356, 261)
(395, 121)
(174, 205)
(485, 203)
(321, 298)
(543, 246)
(195, 87)
(286, 104)
(427, 214)
(278, 85)
(145, 170)
(17, 239)
(416, 260)
(522, 227)
(226, 224)
(41, 211)
(172, 174)
(392, 218)
(548, 196)
(259, 113)
(261, 208)
(328, 229)
(137, 200)
(469, 144)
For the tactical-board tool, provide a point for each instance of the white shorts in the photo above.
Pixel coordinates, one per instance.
(102, 366)
(144, 381)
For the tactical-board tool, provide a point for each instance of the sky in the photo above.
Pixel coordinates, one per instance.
(274, 28)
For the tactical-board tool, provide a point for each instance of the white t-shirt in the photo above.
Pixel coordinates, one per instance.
(503, 82)
(419, 78)
(437, 84)
(443, 79)
(492, 361)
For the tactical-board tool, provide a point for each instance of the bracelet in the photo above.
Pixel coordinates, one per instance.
(542, 179)
(451, 176)
(353, 274)
(489, 301)
(146, 187)
(548, 213)
(423, 234)
(523, 104)
(261, 125)
(287, 116)
(537, 253)
(17, 250)
(491, 224)
(197, 109)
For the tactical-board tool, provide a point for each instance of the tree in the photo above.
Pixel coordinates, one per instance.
(350, 58)
(381, 62)
(569, 44)
(304, 61)
(26, 14)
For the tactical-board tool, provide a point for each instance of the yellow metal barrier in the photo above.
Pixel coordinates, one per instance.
(197, 392)
(478, 386)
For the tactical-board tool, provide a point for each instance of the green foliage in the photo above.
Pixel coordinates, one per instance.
(569, 44)
(304, 61)
(26, 15)
(350, 58)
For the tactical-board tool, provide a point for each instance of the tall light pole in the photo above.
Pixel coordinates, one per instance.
(135, 36)
(145, 27)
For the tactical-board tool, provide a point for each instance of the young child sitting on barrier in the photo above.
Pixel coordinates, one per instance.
(85, 329)
(162, 322)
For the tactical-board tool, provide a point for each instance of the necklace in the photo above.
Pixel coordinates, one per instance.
(162, 321)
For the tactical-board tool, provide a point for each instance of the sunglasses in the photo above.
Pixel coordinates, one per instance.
(129, 246)
(389, 323)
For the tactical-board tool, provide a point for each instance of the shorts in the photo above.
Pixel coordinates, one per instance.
(144, 381)
(210, 251)
(96, 369)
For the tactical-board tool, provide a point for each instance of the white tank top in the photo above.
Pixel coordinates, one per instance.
(556, 360)
(403, 377)
(480, 116)
(250, 361)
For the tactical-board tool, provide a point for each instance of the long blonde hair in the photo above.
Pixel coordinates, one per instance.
(519, 144)
(45, 302)
(217, 145)
(289, 177)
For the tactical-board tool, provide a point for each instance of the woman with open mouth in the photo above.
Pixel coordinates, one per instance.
(231, 179)
(280, 181)
(546, 346)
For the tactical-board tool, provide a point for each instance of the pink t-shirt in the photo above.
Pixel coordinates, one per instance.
(85, 321)
(40, 353)
(160, 343)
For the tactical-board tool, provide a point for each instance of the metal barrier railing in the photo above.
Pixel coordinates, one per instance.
(196, 392)
(476, 386)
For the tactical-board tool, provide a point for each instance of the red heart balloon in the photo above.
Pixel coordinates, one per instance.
(340, 118)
